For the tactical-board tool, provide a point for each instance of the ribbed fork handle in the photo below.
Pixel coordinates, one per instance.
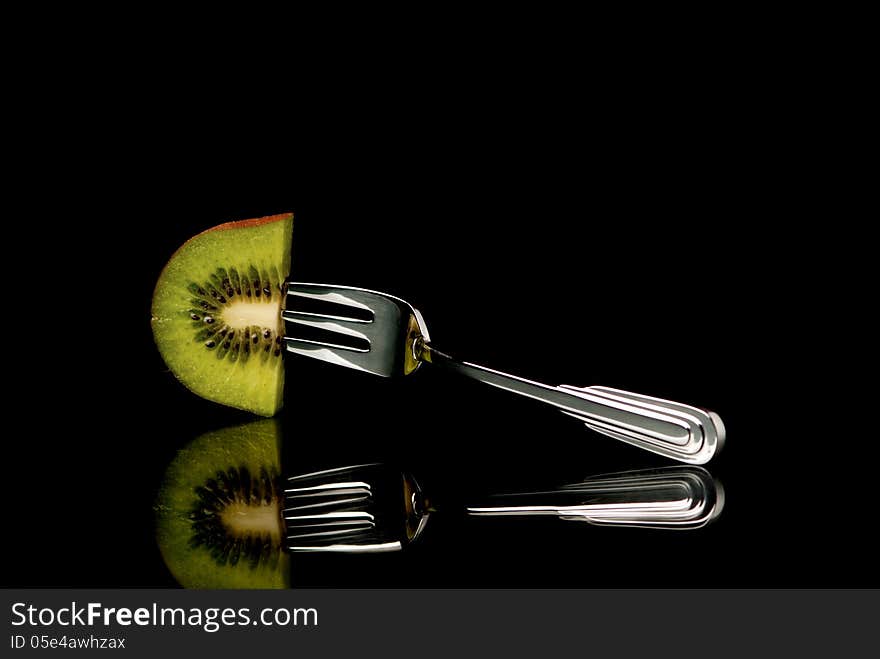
(681, 432)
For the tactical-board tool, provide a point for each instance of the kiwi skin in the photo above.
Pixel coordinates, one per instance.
(216, 313)
(218, 510)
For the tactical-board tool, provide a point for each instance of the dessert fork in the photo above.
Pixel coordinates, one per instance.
(385, 335)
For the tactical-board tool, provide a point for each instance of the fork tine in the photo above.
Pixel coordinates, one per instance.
(356, 358)
(352, 531)
(354, 297)
(338, 534)
(333, 518)
(329, 524)
(327, 489)
(328, 473)
(385, 308)
(293, 315)
(327, 323)
(330, 503)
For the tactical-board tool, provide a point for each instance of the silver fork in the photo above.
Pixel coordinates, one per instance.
(374, 508)
(392, 340)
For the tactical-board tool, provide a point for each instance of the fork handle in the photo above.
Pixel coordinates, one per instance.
(674, 430)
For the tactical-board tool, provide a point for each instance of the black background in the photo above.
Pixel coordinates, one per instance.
(623, 223)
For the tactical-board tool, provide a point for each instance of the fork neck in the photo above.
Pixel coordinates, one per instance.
(425, 352)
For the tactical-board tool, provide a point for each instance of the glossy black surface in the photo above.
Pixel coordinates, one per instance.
(642, 251)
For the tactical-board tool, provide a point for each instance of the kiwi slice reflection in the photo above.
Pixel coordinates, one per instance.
(218, 513)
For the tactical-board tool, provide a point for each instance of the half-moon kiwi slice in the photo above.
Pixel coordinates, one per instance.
(217, 312)
(219, 510)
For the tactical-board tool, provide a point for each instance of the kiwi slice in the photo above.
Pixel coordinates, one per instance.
(219, 510)
(217, 312)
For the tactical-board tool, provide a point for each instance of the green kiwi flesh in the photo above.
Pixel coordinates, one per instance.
(219, 510)
(216, 313)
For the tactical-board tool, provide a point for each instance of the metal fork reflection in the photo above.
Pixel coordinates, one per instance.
(374, 508)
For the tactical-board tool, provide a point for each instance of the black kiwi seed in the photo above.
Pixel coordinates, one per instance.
(205, 333)
(204, 495)
(215, 487)
(233, 279)
(222, 279)
(267, 484)
(232, 479)
(267, 333)
(194, 315)
(217, 554)
(244, 483)
(235, 553)
(253, 553)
